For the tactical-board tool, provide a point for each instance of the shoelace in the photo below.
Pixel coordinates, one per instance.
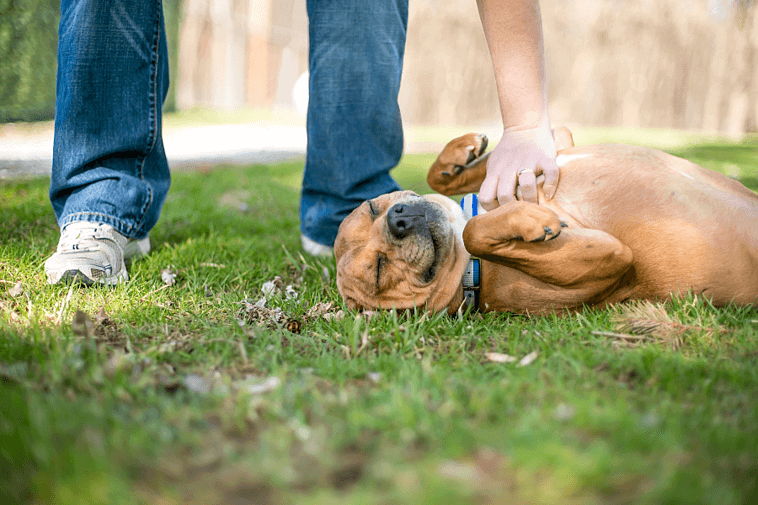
(81, 238)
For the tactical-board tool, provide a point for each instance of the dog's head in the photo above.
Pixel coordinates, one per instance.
(402, 251)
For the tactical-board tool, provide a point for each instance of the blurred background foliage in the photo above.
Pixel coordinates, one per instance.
(684, 64)
(28, 63)
(28, 42)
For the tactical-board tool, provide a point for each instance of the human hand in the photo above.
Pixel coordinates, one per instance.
(517, 160)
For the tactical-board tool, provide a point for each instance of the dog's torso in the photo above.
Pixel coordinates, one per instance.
(687, 229)
(626, 223)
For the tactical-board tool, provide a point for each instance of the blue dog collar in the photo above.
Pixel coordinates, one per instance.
(471, 276)
(471, 207)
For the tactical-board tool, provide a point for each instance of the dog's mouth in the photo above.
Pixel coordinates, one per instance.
(421, 231)
(439, 238)
(430, 273)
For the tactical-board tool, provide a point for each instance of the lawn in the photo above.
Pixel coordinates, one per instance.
(183, 386)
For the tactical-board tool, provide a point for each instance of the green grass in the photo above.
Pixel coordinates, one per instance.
(398, 408)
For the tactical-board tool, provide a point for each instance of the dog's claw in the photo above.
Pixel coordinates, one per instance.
(549, 235)
(471, 156)
(485, 140)
(446, 174)
(539, 239)
(564, 224)
(458, 169)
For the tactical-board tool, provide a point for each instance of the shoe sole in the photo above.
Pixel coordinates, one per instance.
(75, 276)
(132, 250)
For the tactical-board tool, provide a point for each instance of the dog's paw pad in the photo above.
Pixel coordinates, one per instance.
(461, 152)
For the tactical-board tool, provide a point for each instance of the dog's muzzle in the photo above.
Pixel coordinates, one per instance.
(406, 218)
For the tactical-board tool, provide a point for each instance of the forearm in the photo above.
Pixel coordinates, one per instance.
(513, 29)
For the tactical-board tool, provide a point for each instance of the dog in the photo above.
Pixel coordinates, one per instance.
(626, 223)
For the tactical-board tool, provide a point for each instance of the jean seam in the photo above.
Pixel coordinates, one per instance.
(152, 118)
(107, 219)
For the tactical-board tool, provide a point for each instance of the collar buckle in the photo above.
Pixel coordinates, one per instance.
(471, 284)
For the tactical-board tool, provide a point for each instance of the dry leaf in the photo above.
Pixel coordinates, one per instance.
(169, 277)
(256, 387)
(16, 290)
(197, 384)
(82, 324)
(326, 311)
(497, 357)
(652, 320)
(290, 292)
(101, 317)
(528, 359)
(269, 288)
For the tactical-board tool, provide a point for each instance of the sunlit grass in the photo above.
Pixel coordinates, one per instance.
(175, 395)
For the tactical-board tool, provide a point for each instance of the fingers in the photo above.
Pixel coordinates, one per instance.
(552, 174)
(488, 193)
(527, 181)
(516, 161)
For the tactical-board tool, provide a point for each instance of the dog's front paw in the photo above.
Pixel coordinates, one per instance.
(460, 153)
(532, 223)
(459, 156)
(496, 231)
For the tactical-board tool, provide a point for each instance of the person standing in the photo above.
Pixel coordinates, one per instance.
(110, 175)
(355, 133)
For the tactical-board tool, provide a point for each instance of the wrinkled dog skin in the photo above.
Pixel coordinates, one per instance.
(626, 223)
(403, 246)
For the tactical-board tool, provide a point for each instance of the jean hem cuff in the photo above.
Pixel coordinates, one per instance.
(97, 217)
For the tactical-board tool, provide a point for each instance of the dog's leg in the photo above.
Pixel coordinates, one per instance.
(460, 167)
(533, 240)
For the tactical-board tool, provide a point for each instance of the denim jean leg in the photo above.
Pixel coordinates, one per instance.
(109, 165)
(355, 133)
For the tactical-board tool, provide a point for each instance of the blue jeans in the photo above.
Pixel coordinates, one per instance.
(355, 134)
(108, 160)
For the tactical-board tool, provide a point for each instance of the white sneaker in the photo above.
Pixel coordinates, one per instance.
(316, 249)
(93, 253)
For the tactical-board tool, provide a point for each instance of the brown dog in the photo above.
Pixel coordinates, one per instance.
(625, 223)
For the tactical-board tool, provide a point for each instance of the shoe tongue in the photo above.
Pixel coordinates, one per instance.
(83, 230)
(81, 225)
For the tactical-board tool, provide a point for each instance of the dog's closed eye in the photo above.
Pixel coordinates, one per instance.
(372, 209)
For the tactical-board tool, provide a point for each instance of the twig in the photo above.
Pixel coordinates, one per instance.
(623, 336)
(364, 343)
(142, 299)
(65, 304)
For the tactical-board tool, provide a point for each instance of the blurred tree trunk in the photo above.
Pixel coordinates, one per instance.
(636, 63)
(235, 53)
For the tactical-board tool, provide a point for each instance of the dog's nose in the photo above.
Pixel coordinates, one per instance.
(402, 219)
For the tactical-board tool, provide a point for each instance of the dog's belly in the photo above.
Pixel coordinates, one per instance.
(688, 228)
